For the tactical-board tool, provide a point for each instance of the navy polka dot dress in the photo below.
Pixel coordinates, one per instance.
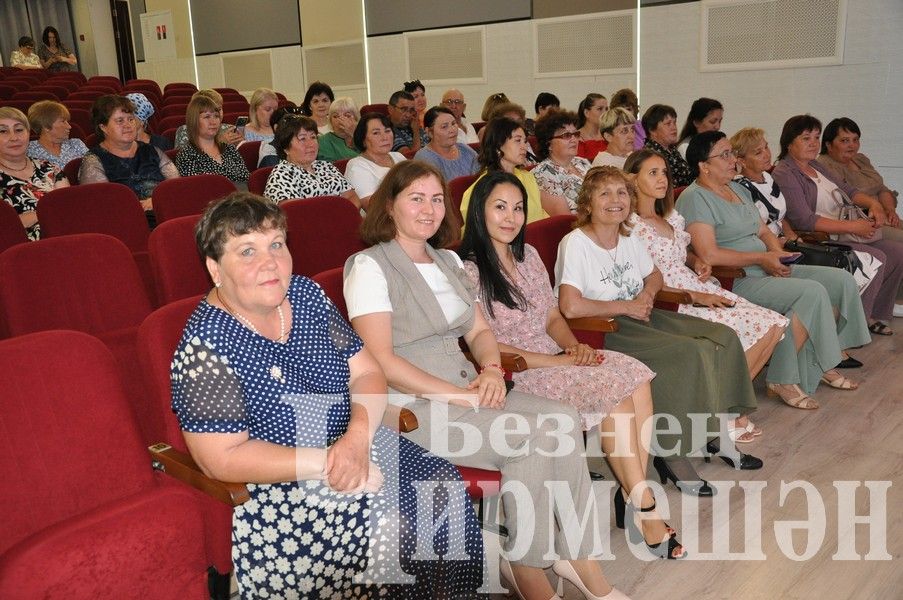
(301, 539)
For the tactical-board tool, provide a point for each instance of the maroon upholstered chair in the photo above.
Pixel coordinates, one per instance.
(322, 233)
(249, 152)
(150, 84)
(382, 109)
(457, 187)
(109, 80)
(71, 170)
(183, 196)
(176, 109)
(84, 514)
(179, 272)
(109, 208)
(12, 231)
(258, 180)
(179, 85)
(341, 164)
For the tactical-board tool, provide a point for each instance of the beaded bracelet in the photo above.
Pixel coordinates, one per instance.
(495, 366)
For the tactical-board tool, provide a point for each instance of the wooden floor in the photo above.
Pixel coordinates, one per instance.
(854, 436)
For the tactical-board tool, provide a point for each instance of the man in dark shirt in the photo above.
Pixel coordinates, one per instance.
(405, 126)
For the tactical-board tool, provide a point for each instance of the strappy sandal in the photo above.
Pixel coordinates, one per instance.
(840, 382)
(736, 434)
(752, 428)
(879, 328)
(801, 400)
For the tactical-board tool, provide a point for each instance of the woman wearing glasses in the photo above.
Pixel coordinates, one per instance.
(561, 171)
(726, 230)
(618, 129)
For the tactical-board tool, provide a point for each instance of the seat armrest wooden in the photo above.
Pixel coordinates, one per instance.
(400, 419)
(728, 272)
(813, 237)
(181, 466)
(593, 324)
(673, 297)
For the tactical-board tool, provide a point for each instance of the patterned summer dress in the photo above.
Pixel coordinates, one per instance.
(749, 320)
(595, 390)
(299, 539)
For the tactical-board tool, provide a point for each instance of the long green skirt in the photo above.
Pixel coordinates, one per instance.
(700, 368)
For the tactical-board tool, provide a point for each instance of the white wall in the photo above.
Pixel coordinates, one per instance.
(867, 87)
(104, 42)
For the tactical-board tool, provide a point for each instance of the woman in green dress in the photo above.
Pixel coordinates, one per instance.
(726, 230)
(603, 271)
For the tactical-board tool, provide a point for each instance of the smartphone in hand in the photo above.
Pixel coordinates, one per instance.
(793, 258)
(240, 123)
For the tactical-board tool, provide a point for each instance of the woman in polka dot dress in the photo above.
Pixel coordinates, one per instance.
(272, 387)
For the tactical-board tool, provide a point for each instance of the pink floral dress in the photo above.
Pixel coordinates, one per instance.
(593, 390)
(749, 320)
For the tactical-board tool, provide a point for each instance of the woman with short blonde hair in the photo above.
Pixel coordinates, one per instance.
(338, 144)
(617, 127)
(262, 104)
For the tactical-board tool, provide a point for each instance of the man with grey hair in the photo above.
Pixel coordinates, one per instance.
(454, 101)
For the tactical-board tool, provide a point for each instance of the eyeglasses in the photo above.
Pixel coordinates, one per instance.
(453, 102)
(726, 155)
(567, 135)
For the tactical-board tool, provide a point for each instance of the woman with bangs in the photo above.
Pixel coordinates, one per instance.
(204, 153)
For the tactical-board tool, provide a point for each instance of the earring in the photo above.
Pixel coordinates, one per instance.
(218, 284)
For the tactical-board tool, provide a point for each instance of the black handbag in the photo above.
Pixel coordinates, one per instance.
(826, 254)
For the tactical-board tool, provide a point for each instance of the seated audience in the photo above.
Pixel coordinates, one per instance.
(263, 103)
(299, 174)
(617, 127)
(416, 89)
(490, 104)
(660, 123)
(589, 115)
(452, 158)
(504, 148)
(561, 172)
(454, 101)
(726, 230)
(840, 153)
(119, 157)
(338, 144)
(144, 110)
(228, 133)
(25, 57)
(24, 180)
(50, 121)
(516, 300)
(705, 115)
(754, 160)
(55, 57)
(315, 105)
(603, 271)
(204, 153)
(661, 229)
(320, 460)
(373, 137)
(408, 134)
(407, 298)
(626, 98)
(814, 199)
(545, 101)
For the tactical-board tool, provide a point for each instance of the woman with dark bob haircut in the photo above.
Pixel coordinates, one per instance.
(562, 170)
(504, 148)
(373, 137)
(814, 196)
(120, 157)
(316, 104)
(410, 301)
(272, 387)
(517, 301)
(299, 174)
(726, 230)
(660, 124)
(705, 115)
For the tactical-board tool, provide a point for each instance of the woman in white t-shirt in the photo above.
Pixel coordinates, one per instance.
(410, 302)
(373, 137)
(603, 271)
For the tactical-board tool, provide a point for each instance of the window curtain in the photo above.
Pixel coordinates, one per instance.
(30, 17)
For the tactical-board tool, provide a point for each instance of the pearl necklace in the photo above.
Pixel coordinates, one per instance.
(248, 322)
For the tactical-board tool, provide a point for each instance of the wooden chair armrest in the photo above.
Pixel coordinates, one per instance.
(180, 465)
(813, 237)
(400, 419)
(728, 272)
(593, 324)
(513, 363)
(673, 297)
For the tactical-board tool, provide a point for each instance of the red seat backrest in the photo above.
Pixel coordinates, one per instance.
(179, 85)
(332, 281)
(457, 187)
(109, 208)
(341, 164)
(377, 108)
(88, 282)
(258, 180)
(173, 121)
(71, 170)
(108, 80)
(12, 231)
(308, 219)
(179, 272)
(249, 152)
(545, 234)
(183, 196)
(176, 109)
(36, 95)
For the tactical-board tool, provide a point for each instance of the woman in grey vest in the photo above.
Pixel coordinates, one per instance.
(410, 303)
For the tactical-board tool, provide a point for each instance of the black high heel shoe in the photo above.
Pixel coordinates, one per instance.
(747, 462)
(693, 487)
(635, 532)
